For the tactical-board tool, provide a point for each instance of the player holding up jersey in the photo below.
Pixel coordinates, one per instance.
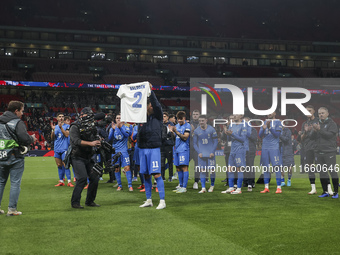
(149, 140)
(182, 151)
(237, 133)
(270, 132)
(119, 135)
(60, 135)
(205, 143)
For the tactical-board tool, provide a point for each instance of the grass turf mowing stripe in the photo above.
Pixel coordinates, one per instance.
(288, 223)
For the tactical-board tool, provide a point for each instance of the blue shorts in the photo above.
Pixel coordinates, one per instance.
(60, 155)
(136, 156)
(206, 164)
(150, 161)
(181, 158)
(202, 162)
(270, 156)
(124, 159)
(237, 159)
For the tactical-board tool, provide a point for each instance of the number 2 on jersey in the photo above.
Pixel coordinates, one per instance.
(139, 96)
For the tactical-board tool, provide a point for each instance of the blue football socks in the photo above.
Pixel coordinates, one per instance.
(160, 187)
(129, 178)
(185, 178)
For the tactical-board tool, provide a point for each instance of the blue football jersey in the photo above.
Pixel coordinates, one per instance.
(246, 142)
(270, 142)
(61, 142)
(238, 138)
(120, 137)
(205, 141)
(181, 145)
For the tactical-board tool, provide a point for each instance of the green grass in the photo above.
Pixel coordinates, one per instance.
(212, 223)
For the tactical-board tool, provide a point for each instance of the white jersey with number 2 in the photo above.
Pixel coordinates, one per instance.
(133, 101)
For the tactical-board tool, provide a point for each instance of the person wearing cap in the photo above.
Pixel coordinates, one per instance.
(83, 143)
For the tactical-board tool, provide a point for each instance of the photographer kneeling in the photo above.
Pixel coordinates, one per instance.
(83, 141)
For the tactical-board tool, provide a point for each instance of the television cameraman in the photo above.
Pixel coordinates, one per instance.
(83, 135)
(13, 138)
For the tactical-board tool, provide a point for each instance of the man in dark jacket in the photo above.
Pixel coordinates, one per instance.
(168, 142)
(13, 138)
(250, 155)
(287, 155)
(324, 133)
(82, 142)
(227, 147)
(308, 146)
(149, 140)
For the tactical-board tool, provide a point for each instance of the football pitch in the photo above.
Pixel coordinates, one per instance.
(211, 223)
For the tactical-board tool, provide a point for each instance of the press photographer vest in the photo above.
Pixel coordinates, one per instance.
(8, 141)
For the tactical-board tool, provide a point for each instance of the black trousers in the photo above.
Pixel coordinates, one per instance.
(83, 170)
(194, 156)
(329, 160)
(167, 153)
(309, 158)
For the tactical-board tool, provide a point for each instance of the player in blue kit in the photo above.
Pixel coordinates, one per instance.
(205, 142)
(60, 135)
(119, 135)
(270, 132)
(182, 151)
(149, 140)
(237, 133)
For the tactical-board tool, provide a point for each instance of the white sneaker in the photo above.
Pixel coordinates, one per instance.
(182, 190)
(312, 192)
(116, 185)
(147, 203)
(195, 185)
(177, 188)
(211, 189)
(203, 190)
(13, 213)
(174, 177)
(237, 191)
(2, 211)
(228, 190)
(161, 205)
(329, 188)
